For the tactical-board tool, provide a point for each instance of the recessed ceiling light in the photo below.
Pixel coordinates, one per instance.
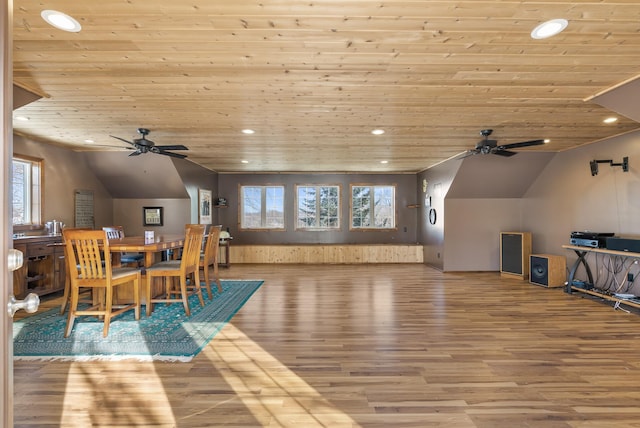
(244, 161)
(22, 118)
(89, 141)
(61, 21)
(549, 28)
(384, 161)
(377, 131)
(248, 131)
(610, 120)
(547, 141)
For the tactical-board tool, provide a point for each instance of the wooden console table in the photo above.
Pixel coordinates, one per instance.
(43, 271)
(582, 253)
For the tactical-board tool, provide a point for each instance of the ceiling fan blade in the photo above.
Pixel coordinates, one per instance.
(176, 147)
(175, 155)
(122, 139)
(523, 144)
(113, 147)
(505, 153)
(136, 153)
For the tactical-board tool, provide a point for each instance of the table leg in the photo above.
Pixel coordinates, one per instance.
(581, 260)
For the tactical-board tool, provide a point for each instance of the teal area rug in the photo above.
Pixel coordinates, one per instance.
(168, 334)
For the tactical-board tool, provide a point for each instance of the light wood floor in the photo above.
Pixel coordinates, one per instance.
(371, 346)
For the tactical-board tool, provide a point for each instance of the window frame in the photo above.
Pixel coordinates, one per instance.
(36, 190)
(318, 215)
(263, 207)
(394, 207)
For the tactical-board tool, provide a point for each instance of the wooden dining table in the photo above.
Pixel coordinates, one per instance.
(151, 249)
(138, 244)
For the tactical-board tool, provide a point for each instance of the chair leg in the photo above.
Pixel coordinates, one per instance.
(65, 296)
(149, 305)
(185, 297)
(73, 306)
(136, 298)
(216, 276)
(107, 310)
(207, 284)
(196, 281)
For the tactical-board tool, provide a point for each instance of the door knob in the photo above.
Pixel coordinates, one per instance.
(29, 304)
(15, 259)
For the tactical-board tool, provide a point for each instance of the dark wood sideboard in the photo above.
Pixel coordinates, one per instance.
(43, 270)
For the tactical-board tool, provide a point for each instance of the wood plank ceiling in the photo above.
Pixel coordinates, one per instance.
(313, 79)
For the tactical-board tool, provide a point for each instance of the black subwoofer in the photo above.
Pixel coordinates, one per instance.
(547, 270)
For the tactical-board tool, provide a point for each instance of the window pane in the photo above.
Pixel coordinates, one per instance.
(20, 192)
(383, 209)
(275, 207)
(329, 207)
(318, 207)
(373, 207)
(306, 207)
(361, 206)
(251, 207)
(262, 207)
(26, 177)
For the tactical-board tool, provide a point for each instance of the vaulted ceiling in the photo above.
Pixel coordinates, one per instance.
(313, 79)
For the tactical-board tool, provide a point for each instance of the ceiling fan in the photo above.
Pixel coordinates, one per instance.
(142, 145)
(487, 146)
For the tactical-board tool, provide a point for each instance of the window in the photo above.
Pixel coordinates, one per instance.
(26, 191)
(318, 207)
(373, 207)
(262, 207)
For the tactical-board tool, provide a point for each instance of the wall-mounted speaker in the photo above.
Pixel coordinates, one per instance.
(515, 248)
(548, 270)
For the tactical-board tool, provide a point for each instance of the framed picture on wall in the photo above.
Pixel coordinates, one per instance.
(204, 206)
(152, 216)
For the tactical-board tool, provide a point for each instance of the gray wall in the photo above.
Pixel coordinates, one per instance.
(432, 236)
(64, 172)
(566, 198)
(549, 195)
(405, 195)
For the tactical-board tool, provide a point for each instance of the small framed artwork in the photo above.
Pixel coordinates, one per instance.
(204, 206)
(152, 216)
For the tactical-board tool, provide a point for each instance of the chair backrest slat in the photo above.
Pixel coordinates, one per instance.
(114, 232)
(192, 245)
(86, 250)
(212, 245)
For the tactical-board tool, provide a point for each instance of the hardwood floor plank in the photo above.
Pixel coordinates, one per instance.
(371, 346)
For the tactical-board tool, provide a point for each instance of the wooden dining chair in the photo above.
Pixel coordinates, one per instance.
(174, 273)
(89, 266)
(209, 259)
(128, 259)
(66, 294)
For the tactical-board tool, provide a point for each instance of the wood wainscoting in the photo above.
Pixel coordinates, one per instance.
(321, 253)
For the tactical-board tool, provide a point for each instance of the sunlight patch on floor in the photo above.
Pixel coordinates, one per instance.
(274, 394)
(99, 387)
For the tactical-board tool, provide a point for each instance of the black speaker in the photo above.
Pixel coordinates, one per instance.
(548, 270)
(515, 248)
